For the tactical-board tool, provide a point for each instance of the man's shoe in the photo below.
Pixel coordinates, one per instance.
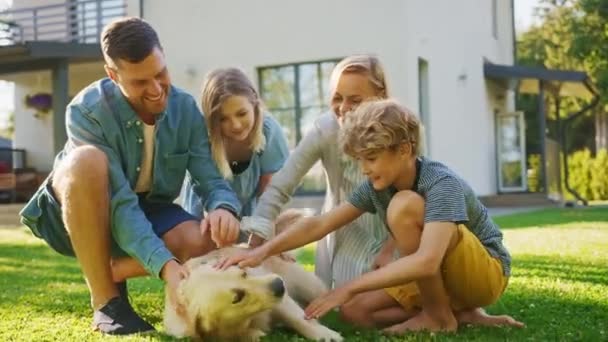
(123, 291)
(117, 317)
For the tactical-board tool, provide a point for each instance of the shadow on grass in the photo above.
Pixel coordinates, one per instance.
(36, 281)
(554, 216)
(561, 268)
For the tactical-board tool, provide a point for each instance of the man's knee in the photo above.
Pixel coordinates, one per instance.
(185, 241)
(85, 166)
(405, 206)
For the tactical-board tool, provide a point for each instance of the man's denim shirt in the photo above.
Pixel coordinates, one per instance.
(100, 116)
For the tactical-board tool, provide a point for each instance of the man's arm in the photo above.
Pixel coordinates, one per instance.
(130, 228)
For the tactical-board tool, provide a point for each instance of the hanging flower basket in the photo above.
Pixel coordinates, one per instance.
(41, 102)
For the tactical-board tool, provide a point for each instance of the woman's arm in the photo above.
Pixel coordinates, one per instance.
(283, 184)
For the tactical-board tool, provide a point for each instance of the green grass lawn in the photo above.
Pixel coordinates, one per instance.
(559, 287)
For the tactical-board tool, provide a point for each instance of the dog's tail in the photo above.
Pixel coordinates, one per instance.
(288, 217)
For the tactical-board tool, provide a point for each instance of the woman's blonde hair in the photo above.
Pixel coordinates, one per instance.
(218, 86)
(367, 65)
(379, 125)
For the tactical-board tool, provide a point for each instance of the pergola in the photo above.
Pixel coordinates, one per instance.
(557, 83)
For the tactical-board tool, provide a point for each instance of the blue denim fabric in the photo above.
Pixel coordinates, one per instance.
(100, 115)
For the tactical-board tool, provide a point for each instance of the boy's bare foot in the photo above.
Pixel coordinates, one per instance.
(479, 316)
(423, 322)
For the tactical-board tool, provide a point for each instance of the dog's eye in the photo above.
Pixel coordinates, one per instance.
(239, 294)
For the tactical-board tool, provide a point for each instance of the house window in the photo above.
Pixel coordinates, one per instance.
(495, 19)
(423, 102)
(296, 94)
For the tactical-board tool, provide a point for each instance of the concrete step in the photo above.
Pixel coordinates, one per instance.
(9, 214)
(517, 200)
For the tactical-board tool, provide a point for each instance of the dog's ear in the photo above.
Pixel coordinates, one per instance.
(199, 329)
(290, 216)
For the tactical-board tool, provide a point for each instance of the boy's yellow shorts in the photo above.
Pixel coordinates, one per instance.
(472, 277)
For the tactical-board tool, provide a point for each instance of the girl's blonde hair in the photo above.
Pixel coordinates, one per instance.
(379, 125)
(361, 64)
(219, 85)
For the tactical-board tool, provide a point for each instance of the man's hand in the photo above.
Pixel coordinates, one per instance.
(173, 273)
(323, 304)
(224, 227)
(246, 258)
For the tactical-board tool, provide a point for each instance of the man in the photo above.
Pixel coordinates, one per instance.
(131, 138)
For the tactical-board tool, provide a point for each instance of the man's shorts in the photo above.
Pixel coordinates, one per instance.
(471, 276)
(50, 227)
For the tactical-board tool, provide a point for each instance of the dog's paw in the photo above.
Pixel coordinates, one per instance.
(254, 335)
(327, 335)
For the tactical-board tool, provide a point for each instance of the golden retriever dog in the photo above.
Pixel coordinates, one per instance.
(243, 304)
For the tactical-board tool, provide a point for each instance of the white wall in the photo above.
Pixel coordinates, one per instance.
(249, 34)
(453, 36)
(35, 135)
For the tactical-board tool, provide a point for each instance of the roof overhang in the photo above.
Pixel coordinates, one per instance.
(527, 80)
(39, 55)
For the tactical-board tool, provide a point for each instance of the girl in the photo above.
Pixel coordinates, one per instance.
(246, 145)
(349, 252)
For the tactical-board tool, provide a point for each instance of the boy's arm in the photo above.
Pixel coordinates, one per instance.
(312, 229)
(304, 231)
(436, 237)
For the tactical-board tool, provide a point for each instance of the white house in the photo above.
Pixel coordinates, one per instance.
(434, 52)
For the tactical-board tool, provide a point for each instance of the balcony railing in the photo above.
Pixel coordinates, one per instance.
(78, 21)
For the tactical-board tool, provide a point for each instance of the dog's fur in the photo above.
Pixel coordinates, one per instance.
(238, 304)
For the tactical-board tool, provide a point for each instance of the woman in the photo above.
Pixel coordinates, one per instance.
(347, 253)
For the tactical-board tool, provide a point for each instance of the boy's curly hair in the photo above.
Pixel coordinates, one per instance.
(379, 125)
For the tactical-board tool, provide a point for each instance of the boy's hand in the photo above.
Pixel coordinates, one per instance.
(323, 304)
(246, 258)
(173, 273)
(224, 227)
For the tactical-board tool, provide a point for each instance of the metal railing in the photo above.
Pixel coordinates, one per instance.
(78, 21)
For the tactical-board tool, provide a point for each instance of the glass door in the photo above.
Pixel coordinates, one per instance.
(511, 153)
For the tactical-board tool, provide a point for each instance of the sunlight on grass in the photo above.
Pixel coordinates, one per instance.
(558, 287)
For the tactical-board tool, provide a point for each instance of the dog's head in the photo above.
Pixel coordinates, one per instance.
(221, 304)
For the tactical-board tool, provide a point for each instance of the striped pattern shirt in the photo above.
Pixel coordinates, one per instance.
(448, 198)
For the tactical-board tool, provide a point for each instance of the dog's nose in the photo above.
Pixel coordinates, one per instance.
(277, 287)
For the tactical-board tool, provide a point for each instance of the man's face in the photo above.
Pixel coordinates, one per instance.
(145, 84)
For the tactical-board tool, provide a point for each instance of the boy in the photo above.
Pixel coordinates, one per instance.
(452, 260)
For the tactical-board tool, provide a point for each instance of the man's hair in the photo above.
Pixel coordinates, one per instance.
(379, 125)
(130, 39)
